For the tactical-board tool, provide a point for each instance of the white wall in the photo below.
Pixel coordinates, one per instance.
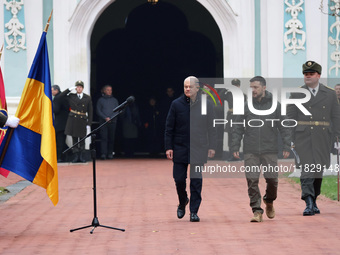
(34, 28)
(316, 34)
(272, 38)
(62, 12)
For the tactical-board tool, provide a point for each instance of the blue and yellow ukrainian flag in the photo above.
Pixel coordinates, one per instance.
(32, 149)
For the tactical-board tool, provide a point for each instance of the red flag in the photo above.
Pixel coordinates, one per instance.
(3, 106)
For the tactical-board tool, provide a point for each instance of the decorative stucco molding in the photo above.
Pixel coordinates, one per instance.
(15, 39)
(294, 26)
(335, 55)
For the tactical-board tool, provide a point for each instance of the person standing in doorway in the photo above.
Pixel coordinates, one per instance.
(105, 106)
(79, 119)
(61, 111)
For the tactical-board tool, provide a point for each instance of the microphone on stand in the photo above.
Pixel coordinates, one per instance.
(128, 101)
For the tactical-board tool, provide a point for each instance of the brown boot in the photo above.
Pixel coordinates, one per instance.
(257, 217)
(270, 211)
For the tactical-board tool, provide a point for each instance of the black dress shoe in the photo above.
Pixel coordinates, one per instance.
(181, 210)
(75, 158)
(309, 206)
(316, 209)
(194, 217)
(232, 158)
(82, 158)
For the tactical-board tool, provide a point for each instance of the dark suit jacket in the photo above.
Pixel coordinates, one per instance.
(3, 119)
(314, 142)
(189, 133)
(61, 111)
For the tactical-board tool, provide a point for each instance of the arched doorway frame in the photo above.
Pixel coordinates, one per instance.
(88, 11)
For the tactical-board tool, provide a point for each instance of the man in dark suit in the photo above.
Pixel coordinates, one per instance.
(313, 133)
(60, 110)
(190, 138)
(79, 118)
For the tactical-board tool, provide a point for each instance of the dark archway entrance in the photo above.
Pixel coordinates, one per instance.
(144, 49)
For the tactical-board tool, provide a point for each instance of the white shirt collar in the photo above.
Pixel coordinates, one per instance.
(81, 95)
(316, 90)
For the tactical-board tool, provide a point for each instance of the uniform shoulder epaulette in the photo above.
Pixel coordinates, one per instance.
(329, 87)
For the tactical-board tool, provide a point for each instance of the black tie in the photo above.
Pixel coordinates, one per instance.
(312, 90)
(79, 96)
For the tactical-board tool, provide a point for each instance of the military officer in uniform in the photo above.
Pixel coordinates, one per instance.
(313, 134)
(79, 118)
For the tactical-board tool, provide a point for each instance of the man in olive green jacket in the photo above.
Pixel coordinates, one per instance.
(260, 143)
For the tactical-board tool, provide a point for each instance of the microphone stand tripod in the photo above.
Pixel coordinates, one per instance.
(95, 221)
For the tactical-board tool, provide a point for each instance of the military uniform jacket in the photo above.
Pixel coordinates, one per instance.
(313, 134)
(189, 133)
(80, 116)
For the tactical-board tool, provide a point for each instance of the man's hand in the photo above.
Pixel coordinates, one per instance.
(236, 154)
(285, 154)
(72, 88)
(107, 119)
(211, 153)
(12, 122)
(169, 154)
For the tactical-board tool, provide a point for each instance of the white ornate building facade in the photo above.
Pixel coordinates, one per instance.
(271, 38)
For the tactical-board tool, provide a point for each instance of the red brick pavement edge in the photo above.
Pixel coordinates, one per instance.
(139, 196)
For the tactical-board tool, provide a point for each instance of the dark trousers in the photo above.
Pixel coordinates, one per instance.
(79, 147)
(253, 163)
(310, 183)
(61, 145)
(107, 136)
(180, 175)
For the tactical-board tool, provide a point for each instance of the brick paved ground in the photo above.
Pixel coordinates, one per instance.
(139, 196)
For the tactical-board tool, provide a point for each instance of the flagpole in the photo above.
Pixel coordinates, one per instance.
(10, 130)
(337, 158)
(48, 22)
(9, 136)
(2, 47)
